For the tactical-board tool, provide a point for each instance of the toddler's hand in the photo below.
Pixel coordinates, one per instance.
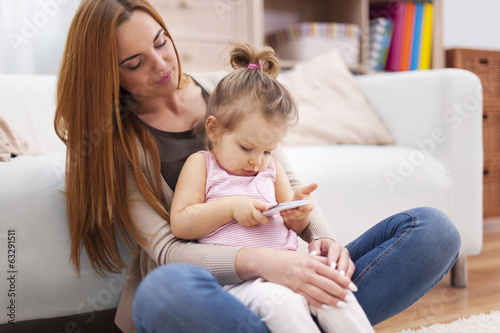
(248, 212)
(302, 193)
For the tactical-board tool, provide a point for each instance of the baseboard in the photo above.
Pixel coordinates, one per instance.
(99, 321)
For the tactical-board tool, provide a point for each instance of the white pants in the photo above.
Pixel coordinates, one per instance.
(282, 310)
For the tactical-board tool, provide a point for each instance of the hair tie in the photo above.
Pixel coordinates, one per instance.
(255, 66)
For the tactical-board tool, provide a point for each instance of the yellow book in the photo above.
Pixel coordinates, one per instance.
(425, 59)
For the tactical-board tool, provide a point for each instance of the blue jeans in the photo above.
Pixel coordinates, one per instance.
(184, 298)
(397, 262)
(400, 259)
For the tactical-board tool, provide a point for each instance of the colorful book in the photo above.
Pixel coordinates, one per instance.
(407, 37)
(417, 37)
(425, 58)
(411, 43)
(394, 11)
(385, 47)
(380, 40)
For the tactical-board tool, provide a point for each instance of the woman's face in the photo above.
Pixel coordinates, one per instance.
(146, 56)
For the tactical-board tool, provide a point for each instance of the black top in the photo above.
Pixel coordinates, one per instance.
(175, 148)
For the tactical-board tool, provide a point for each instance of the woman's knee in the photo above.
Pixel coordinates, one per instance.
(174, 284)
(436, 228)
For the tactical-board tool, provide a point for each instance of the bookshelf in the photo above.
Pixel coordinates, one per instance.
(278, 14)
(202, 28)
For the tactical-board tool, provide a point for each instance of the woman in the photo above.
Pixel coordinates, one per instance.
(126, 112)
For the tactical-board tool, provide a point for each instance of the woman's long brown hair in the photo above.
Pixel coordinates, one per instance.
(101, 137)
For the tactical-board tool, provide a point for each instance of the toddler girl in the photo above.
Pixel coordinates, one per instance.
(221, 192)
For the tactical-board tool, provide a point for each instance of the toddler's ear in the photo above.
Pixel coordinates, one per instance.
(211, 128)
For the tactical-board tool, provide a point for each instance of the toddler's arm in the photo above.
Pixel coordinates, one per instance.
(295, 219)
(192, 218)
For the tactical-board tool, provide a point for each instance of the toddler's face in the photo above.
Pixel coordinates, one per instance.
(246, 150)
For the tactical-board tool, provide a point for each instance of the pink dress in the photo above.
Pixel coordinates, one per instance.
(221, 183)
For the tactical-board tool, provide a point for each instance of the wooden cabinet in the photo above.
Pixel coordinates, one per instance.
(486, 65)
(202, 29)
(491, 146)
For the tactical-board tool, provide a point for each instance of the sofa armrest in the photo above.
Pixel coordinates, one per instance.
(413, 104)
(33, 215)
(437, 112)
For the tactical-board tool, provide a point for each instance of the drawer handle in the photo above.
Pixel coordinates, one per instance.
(485, 116)
(486, 172)
(483, 61)
(186, 57)
(185, 4)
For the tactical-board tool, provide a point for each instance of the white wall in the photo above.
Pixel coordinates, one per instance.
(471, 24)
(33, 34)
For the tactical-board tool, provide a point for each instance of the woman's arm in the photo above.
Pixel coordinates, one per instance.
(162, 247)
(303, 273)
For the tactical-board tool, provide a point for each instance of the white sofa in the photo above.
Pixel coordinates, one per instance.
(435, 117)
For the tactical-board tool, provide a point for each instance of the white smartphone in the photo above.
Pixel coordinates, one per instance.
(285, 206)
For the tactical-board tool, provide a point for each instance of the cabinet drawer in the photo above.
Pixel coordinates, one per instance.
(484, 63)
(491, 132)
(491, 188)
(201, 20)
(202, 57)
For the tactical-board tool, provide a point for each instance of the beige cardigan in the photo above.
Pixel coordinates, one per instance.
(166, 248)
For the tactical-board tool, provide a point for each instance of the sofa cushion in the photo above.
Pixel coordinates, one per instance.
(332, 108)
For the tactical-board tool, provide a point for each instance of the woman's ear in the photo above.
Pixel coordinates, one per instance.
(211, 128)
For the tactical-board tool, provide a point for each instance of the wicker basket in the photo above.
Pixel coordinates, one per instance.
(305, 40)
(491, 188)
(484, 63)
(491, 133)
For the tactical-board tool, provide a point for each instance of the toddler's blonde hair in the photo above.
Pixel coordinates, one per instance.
(248, 90)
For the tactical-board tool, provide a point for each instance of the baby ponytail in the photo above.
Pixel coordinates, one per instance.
(251, 87)
(246, 56)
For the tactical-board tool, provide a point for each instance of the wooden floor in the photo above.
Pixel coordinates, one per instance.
(444, 304)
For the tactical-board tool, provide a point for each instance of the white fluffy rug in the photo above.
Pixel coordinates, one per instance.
(481, 323)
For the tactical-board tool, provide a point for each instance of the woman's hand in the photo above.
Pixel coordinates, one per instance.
(306, 274)
(337, 255)
(247, 211)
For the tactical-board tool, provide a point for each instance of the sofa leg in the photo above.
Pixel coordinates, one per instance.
(459, 273)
